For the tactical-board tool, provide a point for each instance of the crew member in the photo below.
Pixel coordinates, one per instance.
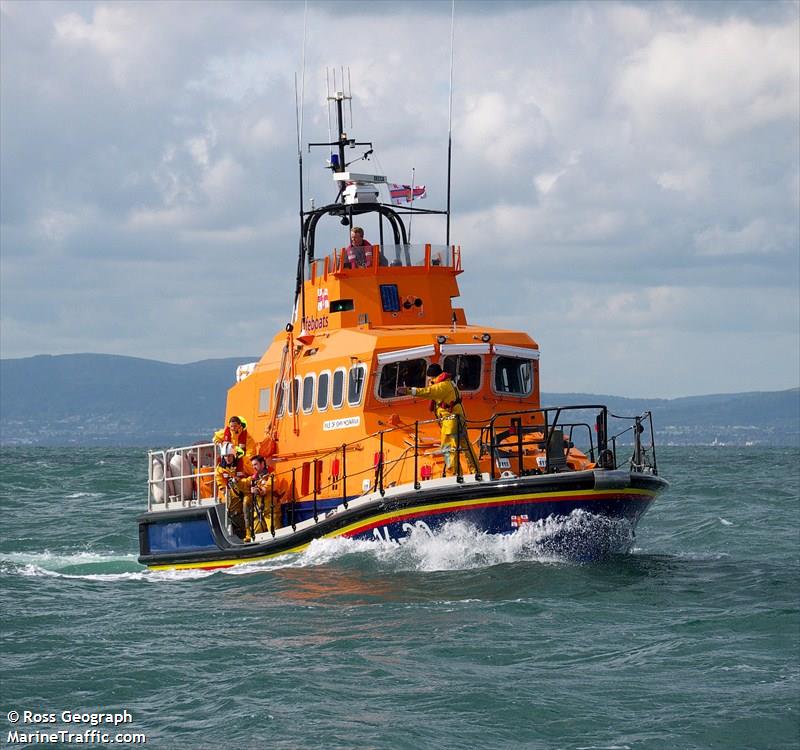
(267, 494)
(359, 254)
(446, 403)
(234, 486)
(236, 433)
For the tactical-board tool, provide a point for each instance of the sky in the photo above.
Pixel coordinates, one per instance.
(625, 182)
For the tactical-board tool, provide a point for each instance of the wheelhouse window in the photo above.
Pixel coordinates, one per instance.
(338, 389)
(513, 376)
(308, 394)
(355, 384)
(323, 384)
(280, 397)
(465, 370)
(409, 373)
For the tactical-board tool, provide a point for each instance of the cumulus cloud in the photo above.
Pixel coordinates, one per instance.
(624, 174)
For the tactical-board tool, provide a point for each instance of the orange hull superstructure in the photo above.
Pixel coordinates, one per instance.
(327, 383)
(354, 453)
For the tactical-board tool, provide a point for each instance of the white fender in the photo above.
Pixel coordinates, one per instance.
(179, 466)
(157, 484)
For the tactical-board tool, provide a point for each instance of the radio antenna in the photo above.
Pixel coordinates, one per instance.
(298, 101)
(450, 117)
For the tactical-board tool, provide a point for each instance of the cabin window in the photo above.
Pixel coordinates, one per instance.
(338, 389)
(263, 401)
(294, 396)
(410, 373)
(308, 394)
(513, 376)
(280, 397)
(322, 390)
(465, 370)
(355, 384)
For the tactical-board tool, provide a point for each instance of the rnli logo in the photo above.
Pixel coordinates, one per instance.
(322, 300)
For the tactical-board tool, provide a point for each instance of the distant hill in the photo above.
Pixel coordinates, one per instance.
(99, 399)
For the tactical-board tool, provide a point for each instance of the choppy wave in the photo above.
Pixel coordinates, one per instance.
(456, 546)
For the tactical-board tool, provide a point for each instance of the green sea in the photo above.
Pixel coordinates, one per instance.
(692, 640)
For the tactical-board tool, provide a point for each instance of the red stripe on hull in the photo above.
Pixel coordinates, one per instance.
(455, 508)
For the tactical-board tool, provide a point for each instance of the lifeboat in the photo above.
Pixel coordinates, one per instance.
(352, 450)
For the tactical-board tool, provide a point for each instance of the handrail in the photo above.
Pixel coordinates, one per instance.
(540, 429)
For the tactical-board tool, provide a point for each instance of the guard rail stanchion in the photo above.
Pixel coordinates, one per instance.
(380, 467)
(344, 475)
(459, 475)
(316, 518)
(417, 485)
(294, 498)
(272, 505)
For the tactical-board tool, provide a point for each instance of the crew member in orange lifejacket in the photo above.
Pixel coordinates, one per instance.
(267, 493)
(446, 404)
(359, 254)
(236, 434)
(234, 487)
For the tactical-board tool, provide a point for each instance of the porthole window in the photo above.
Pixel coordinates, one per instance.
(356, 378)
(308, 394)
(294, 396)
(337, 399)
(323, 384)
(280, 397)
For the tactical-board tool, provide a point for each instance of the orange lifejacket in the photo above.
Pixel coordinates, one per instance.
(352, 255)
(241, 441)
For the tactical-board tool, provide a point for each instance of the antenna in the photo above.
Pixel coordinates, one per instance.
(350, 94)
(450, 117)
(298, 103)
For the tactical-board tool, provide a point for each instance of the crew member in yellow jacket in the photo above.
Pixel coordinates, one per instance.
(267, 494)
(236, 434)
(446, 402)
(234, 486)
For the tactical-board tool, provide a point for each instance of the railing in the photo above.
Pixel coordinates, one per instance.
(181, 476)
(390, 255)
(531, 441)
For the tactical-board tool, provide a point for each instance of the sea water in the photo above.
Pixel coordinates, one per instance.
(692, 640)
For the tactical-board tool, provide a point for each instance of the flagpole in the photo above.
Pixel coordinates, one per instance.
(411, 205)
(450, 117)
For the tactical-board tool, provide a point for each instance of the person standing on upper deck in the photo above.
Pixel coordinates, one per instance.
(446, 402)
(359, 254)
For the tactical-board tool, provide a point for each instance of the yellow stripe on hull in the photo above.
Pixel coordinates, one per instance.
(389, 517)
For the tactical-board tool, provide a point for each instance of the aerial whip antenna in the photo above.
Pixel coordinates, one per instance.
(299, 123)
(450, 116)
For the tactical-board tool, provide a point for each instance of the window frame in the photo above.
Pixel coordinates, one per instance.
(512, 394)
(480, 371)
(363, 367)
(397, 363)
(327, 391)
(313, 377)
(333, 387)
(280, 401)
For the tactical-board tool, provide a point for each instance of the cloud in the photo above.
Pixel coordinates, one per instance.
(720, 79)
(625, 175)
